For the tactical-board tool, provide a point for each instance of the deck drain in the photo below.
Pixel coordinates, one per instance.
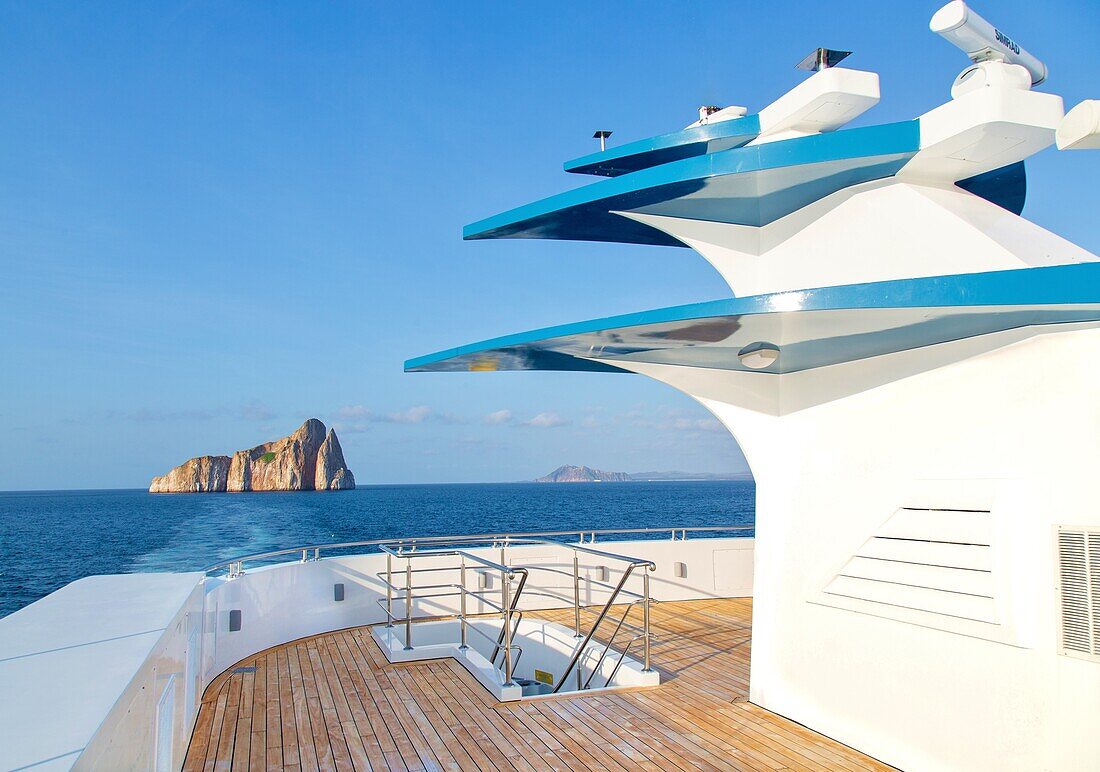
(249, 669)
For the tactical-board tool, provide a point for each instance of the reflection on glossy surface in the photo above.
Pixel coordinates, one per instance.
(752, 185)
(814, 328)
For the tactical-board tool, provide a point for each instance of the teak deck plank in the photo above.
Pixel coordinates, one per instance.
(360, 733)
(396, 746)
(332, 701)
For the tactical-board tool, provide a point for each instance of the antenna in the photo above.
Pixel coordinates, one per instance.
(821, 59)
(602, 137)
(981, 41)
(708, 110)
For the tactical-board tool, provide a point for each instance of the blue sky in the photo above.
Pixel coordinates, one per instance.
(218, 219)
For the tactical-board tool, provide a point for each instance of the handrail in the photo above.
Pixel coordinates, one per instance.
(384, 547)
(461, 547)
(381, 576)
(511, 611)
(507, 605)
(518, 541)
(574, 660)
(622, 657)
(507, 573)
(409, 549)
(677, 533)
(607, 648)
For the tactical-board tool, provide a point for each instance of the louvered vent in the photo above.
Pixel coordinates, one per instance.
(1079, 590)
(935, 562)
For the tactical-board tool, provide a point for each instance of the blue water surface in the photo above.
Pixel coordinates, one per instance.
(51, 538)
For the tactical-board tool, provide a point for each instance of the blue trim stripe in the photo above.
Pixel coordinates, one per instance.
(666, 148)
(861, 154)
(1077, 284)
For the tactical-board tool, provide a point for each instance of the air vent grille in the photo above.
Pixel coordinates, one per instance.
(1079, 590)
(931, 561)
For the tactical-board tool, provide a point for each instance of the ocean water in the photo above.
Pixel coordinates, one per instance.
(51, 538)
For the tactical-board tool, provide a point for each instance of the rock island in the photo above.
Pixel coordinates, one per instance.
(577, 474)
(307, 460)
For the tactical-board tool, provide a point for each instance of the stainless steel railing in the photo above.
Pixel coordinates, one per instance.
(412, 592)
(410, 549)
(306, 553)
(578, 651)
(460, 547)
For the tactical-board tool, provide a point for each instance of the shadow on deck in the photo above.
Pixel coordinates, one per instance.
(332, 701)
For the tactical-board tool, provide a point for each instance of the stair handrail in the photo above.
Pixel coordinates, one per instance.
(517, 614)
(408, 549)
(647, 566)
(607, 648)
(507, 604)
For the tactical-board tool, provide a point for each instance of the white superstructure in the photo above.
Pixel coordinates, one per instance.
(924, 432)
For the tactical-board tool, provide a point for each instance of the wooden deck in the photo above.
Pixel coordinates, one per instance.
(333, 702)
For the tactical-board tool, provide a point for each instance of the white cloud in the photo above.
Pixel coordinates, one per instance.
(668, 420)
(698, 424)
(413, 415)
(546, 420)
(498, 417)
(358, 417)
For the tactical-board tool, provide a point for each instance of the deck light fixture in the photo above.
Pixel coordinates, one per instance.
(602, 137)
(757, 356)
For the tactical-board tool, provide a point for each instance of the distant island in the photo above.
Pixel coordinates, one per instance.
(577, 474)
(688, 476)
(580, 474)
(309, 459)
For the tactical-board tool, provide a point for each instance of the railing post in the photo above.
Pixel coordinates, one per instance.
(576, 596)
(316, 553)
(506, 615)
(645, 617)
(462, 601)
(577, 612)
(408, 603)
(574, 660)
(389, 590)
(305, 555)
